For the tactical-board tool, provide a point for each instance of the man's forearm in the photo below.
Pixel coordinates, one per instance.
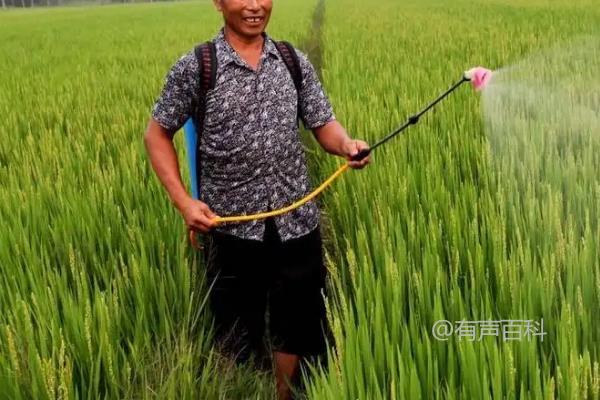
(332, 137)
(165, 164)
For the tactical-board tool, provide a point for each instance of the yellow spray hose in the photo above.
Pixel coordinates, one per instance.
(242, 218)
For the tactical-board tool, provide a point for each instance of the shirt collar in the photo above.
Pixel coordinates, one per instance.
(226, 53)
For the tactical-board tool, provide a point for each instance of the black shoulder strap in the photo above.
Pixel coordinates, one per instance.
(207, 64)
(207, 61)
(206, 56)
(291, 61)
(290, 58)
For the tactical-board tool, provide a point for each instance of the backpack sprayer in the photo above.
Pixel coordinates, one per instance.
(478, 77)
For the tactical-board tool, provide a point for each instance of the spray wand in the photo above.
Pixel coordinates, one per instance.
(478, 76)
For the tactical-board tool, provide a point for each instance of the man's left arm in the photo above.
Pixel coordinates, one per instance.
(317, 115)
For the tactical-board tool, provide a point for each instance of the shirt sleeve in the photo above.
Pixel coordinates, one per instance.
(179, 94)
(315, 108)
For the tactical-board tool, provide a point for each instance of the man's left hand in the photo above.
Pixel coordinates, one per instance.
(353, 147)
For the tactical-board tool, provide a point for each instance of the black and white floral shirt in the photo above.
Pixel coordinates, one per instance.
(252, 159)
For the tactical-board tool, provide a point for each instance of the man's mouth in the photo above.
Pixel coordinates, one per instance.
(253, 20)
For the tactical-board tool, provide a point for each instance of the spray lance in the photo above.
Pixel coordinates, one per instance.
(478, 76)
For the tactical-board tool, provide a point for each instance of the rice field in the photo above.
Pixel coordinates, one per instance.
(461, 218)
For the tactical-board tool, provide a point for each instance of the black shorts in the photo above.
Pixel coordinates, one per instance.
(283, 280)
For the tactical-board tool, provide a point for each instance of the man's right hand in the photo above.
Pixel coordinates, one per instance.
(198, 216)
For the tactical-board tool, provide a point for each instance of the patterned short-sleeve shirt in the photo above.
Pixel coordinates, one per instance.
(251, 156)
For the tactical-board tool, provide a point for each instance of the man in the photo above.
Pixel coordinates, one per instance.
(252, 160)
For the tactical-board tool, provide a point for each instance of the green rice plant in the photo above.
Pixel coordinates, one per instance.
(443, 226)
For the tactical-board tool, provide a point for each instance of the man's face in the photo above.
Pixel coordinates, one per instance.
(247, 18)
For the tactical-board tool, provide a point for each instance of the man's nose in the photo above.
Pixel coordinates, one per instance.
(252, 4)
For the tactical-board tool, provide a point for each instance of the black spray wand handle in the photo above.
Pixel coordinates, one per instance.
(411, 121)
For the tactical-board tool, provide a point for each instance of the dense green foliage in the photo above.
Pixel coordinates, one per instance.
(101, 296)
(445, 226)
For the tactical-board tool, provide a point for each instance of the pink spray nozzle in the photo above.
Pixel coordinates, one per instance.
(478, 76)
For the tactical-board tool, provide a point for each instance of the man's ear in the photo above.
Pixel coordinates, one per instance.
(218, 4)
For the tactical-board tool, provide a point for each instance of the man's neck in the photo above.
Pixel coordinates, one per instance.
(241, 43)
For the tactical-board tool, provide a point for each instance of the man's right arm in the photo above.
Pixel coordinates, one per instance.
(163, 157)
(172, 108)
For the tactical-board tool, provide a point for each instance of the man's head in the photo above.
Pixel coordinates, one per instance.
(247, 18)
